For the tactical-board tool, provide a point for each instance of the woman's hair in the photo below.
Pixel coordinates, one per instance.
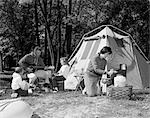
(106, 49)
(65, 60)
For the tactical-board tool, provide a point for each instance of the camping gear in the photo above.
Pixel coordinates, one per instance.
(123, 67)
(104, 81)
(119, 81)
(119, 92)
(122, 70)
(71, 82)
(107, 81)
(15, 108)
(79, 79)
(124, 51)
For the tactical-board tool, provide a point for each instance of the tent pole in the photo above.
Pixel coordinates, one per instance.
(94, 30)
(141, 51)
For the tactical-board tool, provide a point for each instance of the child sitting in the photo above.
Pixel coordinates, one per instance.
(20, 87)
(62, 74)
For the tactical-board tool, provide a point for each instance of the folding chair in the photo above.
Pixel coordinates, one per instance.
(79, 78)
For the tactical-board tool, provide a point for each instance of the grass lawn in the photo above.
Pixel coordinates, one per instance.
(75, 105)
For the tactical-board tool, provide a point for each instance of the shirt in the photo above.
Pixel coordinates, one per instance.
(64, 70)
(16, 81)
(31, 60)
(96, 66)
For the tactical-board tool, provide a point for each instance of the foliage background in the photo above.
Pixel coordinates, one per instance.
(26, 23)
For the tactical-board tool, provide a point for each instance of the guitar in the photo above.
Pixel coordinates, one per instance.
(33, 68)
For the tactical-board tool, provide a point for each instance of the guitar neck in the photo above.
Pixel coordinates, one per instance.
(38, 67)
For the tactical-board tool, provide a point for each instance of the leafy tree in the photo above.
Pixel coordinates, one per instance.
(17, 29)
(131, 16)
(25, 23)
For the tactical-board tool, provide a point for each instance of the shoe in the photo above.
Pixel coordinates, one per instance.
(14, 95)
(84, 92)
(30, 91)
(55, 90)
(32, 86)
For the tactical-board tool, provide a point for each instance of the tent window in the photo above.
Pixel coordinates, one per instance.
(87, 49)
(120, 42)
(95, 47)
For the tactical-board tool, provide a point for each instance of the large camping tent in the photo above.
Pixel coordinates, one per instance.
(124, 48)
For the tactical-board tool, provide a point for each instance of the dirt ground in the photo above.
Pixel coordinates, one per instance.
(74, 105)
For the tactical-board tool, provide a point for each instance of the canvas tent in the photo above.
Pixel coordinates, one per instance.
(124, 48)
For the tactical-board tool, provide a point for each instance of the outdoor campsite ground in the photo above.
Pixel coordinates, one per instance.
(74, 105)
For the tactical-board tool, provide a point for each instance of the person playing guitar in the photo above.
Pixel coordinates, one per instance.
(33, 63)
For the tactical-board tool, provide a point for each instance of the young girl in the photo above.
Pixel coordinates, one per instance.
(19, 86)
(62, 74)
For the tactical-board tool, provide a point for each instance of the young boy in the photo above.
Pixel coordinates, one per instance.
(19, 86)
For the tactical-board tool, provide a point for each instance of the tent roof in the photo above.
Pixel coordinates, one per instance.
(105, 32)
(108, 30)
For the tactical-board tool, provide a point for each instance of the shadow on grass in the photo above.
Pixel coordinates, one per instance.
(137, 98)
(140, 95)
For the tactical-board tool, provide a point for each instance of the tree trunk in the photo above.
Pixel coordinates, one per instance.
(68, 38)
(149, 44)
(1, 62)
(50, 47)
(59, 34)
(36, 24)
(68, 35)
(44, 13)
(45, 42)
